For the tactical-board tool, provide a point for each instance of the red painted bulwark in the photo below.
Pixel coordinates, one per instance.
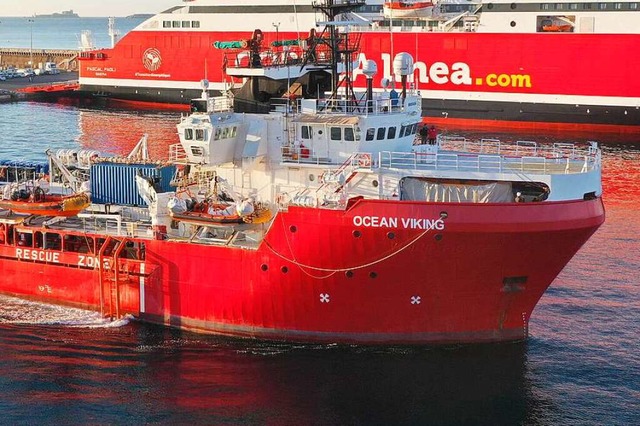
(380, 272)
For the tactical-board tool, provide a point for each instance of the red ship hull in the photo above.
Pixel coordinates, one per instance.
(354, 276)
(531, 80)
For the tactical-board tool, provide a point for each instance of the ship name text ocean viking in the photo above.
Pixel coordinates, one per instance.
(398, 222)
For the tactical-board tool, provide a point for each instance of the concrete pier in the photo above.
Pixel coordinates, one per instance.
(20, 57)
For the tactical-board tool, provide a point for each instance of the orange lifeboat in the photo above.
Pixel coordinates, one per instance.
(43, 204)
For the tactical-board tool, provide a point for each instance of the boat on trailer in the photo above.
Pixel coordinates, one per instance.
(372, 237)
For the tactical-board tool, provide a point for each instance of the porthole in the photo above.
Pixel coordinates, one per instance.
(293, 228)
(375, 183)
(513, 24)
(357, 234)
(513, 6)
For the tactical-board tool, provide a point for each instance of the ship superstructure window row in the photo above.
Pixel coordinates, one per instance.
(180, 24)
(585, 6)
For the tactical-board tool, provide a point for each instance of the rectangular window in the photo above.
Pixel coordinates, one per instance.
(348, 134)
(216, 136)
(392, 133)
(197, 151)
(195, 24)
(573, 6)
(200, 134)
(225, 133)
(545, 6)
(602, 6)
(166, 24)
(175, 24)
(633, 6)
(306, 132)
(233, 132)
(381, 132)
(188, 134)
(336, 133)
(586, 6)
(186, 24)
(370, 133)
(558, 6)
(617, 6)
(414, 128)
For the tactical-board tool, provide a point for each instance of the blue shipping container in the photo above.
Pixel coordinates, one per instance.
(113, 183)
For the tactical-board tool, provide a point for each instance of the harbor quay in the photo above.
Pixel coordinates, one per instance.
(65, 59)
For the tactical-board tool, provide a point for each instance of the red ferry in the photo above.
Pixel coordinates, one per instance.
(373, 236)
(548, 64)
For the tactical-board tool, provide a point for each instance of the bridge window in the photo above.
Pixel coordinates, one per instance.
(188, 134)
(617, 6)
(233, 131)
(348, 134)
(217, 134)
(186, 24)
(166, 24)
(371, 131)
(602, 6)
(633, 6)
(336, 133)
(195, 24)
(306, 132)
(381, 133)
(201, 135)
(392, 133)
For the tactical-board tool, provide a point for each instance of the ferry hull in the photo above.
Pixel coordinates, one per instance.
(534, 78)
(379, 272)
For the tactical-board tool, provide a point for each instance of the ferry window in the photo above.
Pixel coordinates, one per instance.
(166, 24)
(217, 134)
(336, 133)
(188, 134)
(573, 6)
(586, 6)
(306, 132)
(200, 134)
(381, 132)
(602, 6)
(186, 24)
(402, 130)
(370, 133)
(414, 128)
(633, 6)
(558, 6)
(617, 6)
(195, 24)
(545, 6)
(198, 151)
(392, 133)
(175, 24)
(225, 133)
(348, 134)
(232, 133)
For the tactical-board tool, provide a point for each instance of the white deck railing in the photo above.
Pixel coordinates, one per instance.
(490, 155)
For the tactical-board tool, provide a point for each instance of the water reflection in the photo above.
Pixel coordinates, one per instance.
(156, 374)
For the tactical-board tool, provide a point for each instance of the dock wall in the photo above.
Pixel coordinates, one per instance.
(20, 57)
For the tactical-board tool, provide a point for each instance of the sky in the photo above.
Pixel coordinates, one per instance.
(84, 7)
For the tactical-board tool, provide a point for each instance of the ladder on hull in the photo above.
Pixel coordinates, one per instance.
(111, 276)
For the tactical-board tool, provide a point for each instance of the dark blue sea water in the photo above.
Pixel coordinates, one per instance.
(58, 33)
(581, 365)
